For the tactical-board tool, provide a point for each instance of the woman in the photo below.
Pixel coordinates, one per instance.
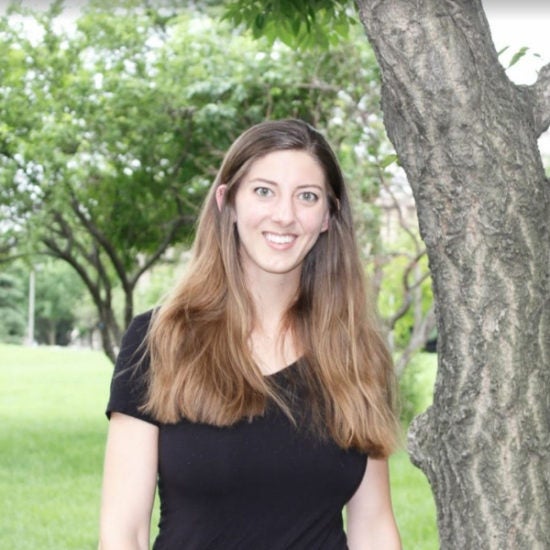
(260, 394)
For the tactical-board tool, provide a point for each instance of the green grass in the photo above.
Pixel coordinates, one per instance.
(412, 497)
(413, 505)
(51, 454)
(52, 440)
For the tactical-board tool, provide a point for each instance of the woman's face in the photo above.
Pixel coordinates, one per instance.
(281, 208)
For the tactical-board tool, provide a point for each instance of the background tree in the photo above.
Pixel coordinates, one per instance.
(13, 303)
(110, 136)
(467, 139)
(402, 277)
(59, 292)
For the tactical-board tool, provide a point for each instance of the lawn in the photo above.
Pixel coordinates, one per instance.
(52, 441)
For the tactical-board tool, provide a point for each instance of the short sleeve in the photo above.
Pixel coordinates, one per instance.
(128, 385)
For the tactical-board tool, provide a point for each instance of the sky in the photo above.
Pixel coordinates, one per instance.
(516, 24)
(522, 23)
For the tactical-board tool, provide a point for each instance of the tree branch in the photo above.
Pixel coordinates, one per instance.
(100, 238)
(176, 224)
(108, 327)
(408, 289)
(65, 255)
(91, 257)
(540, 96)
(419, 337)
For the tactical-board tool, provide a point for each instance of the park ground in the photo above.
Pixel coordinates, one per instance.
(52, 442)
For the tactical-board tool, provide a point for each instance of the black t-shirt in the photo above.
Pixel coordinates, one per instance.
(257, 485)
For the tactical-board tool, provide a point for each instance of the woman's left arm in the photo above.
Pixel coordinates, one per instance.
(370, 520)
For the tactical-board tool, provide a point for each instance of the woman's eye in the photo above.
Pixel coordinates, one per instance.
(309, 196)
(262, 191)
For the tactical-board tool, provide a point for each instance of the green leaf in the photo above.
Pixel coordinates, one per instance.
(259, 21)
(517, 56)
(388, 160)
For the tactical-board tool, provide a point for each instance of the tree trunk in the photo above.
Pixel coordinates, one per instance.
(51, 332)
(109, 330)
(467, 138)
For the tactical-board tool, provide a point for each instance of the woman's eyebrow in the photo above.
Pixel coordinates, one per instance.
(263, 180)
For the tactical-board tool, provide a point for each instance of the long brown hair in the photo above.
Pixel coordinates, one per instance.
(201, 363)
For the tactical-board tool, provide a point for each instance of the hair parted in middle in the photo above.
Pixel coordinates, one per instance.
(199, 341)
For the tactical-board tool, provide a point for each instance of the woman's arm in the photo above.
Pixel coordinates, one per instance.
(370, 520)
(129, 481)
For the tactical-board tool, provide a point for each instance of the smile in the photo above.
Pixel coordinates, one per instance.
(279, 239)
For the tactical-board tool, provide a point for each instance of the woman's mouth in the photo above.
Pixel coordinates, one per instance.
(279, 239)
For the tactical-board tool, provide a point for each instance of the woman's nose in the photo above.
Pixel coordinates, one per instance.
(283, 211)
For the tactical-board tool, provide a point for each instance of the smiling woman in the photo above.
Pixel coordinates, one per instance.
(281, 208)
(259, 391)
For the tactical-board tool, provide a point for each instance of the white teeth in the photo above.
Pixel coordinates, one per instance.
(279, 239)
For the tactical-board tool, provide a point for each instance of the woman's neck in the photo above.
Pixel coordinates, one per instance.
(272, 295)
(272, 346)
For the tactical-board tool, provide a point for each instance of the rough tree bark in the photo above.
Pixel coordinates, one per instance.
(467, 138)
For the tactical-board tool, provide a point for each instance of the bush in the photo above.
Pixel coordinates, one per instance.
(416, 386)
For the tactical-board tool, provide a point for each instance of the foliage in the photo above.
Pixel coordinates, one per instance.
(53, 437)
(403, 269)
(416, 386)
(82, 182)
(297, 24)
(516, 56)
(78, 179)
(110, 136)
(59, 291)
(13, 303)
(159, 281)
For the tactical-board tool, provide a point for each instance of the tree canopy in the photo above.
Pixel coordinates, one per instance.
(111, 135)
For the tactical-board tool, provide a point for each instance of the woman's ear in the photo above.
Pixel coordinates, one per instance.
(220, 194)
(326, 222)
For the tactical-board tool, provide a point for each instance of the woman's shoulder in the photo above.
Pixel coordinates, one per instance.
(137, 330)
(133, 348)
(129, 380)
